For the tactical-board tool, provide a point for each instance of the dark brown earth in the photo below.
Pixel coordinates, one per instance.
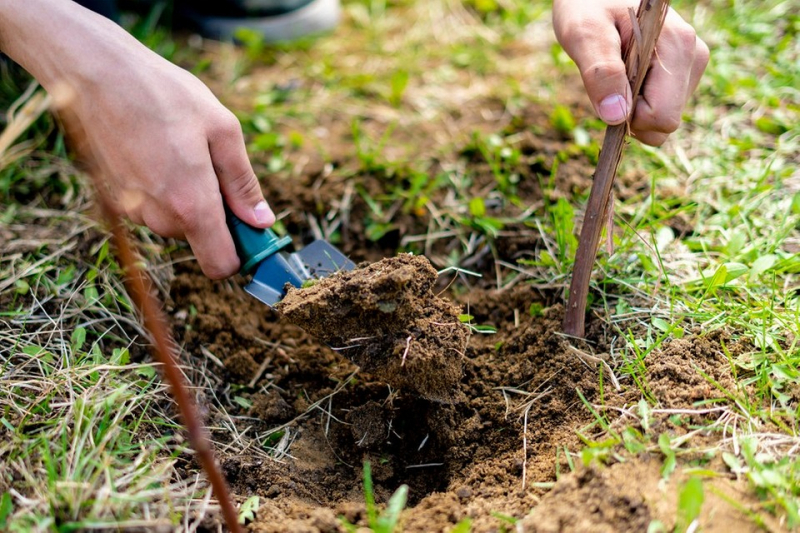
(386, 319)
(517, 402)
(472, 458)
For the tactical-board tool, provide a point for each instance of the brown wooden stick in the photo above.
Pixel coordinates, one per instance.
(140, 289)
(647, 23)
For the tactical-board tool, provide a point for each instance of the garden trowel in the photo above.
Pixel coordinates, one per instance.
(260, 253)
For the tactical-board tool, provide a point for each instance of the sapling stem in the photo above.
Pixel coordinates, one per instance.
(647, 23)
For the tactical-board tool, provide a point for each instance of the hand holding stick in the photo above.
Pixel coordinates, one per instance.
(647, 23)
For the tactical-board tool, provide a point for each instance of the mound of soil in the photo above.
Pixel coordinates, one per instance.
(386, 319)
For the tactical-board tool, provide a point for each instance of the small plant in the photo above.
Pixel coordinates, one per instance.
(476, 328)
(385, 522)
(690, 501)
(248, 510)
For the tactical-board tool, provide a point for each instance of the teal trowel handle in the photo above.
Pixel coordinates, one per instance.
(253, 245)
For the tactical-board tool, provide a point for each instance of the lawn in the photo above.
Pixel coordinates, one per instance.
(457, 130)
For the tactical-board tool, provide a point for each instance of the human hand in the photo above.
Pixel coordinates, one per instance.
(593, 33)
(166, 147)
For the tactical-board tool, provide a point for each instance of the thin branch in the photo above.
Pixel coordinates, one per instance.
(646, 29)
(140, 289)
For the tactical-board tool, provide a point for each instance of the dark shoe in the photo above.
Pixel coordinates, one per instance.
(273, 20)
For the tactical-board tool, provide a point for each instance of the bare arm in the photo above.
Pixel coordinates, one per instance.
(168, 149)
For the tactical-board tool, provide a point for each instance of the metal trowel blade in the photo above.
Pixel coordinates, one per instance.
(317, 260)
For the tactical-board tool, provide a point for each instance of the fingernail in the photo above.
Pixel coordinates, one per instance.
(613, 109)
(263, 213)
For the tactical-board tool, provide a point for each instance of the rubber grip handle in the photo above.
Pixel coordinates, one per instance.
(253, 245)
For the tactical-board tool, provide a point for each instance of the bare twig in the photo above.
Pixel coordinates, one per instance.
(140, 289)
(646, 29)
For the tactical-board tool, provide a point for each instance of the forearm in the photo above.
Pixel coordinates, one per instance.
(59, 41)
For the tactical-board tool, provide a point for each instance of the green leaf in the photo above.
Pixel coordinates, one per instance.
(644, 414)
(670, 462)
(248, 510)
(536, 309)
(505, 518)
(737, 241)
(388, 520)
(734, 270)
(242, 402)
(66, 276)
(718, 278)
(398, 85)
(120, 356)
(562, 120)
(771, 125)
(6, 508)
(465, 318)
(661, 324)
(477, 207)
(146, 371)
(9, 426)
(733, 462)
(78, 338)
(21, 286)
(690, 501)
(369, 494)
(762, 264)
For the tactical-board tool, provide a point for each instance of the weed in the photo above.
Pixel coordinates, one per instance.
(387, 520)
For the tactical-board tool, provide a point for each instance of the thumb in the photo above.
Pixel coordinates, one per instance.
(237, 181)
(594, 43)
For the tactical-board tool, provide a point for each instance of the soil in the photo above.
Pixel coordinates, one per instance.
(482, 455)
(629, 496)
(478, 426)
(386, 319)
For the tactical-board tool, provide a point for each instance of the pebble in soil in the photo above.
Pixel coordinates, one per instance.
(386, 319)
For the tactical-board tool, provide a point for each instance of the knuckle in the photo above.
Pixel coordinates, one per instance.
(657, 140)
(225, 124)
(245, 184)
(684, 36)
(184, 211)
(579, 30)
(668, 124)
(602, 70)
(655, 123)
(651, 138)
(702, 53)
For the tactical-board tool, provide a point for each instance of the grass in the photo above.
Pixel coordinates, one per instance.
(709, 243)
(385, 521)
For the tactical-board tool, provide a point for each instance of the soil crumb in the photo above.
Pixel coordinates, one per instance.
(386, 319)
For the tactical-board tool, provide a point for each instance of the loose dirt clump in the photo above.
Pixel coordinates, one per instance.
(386, 319)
